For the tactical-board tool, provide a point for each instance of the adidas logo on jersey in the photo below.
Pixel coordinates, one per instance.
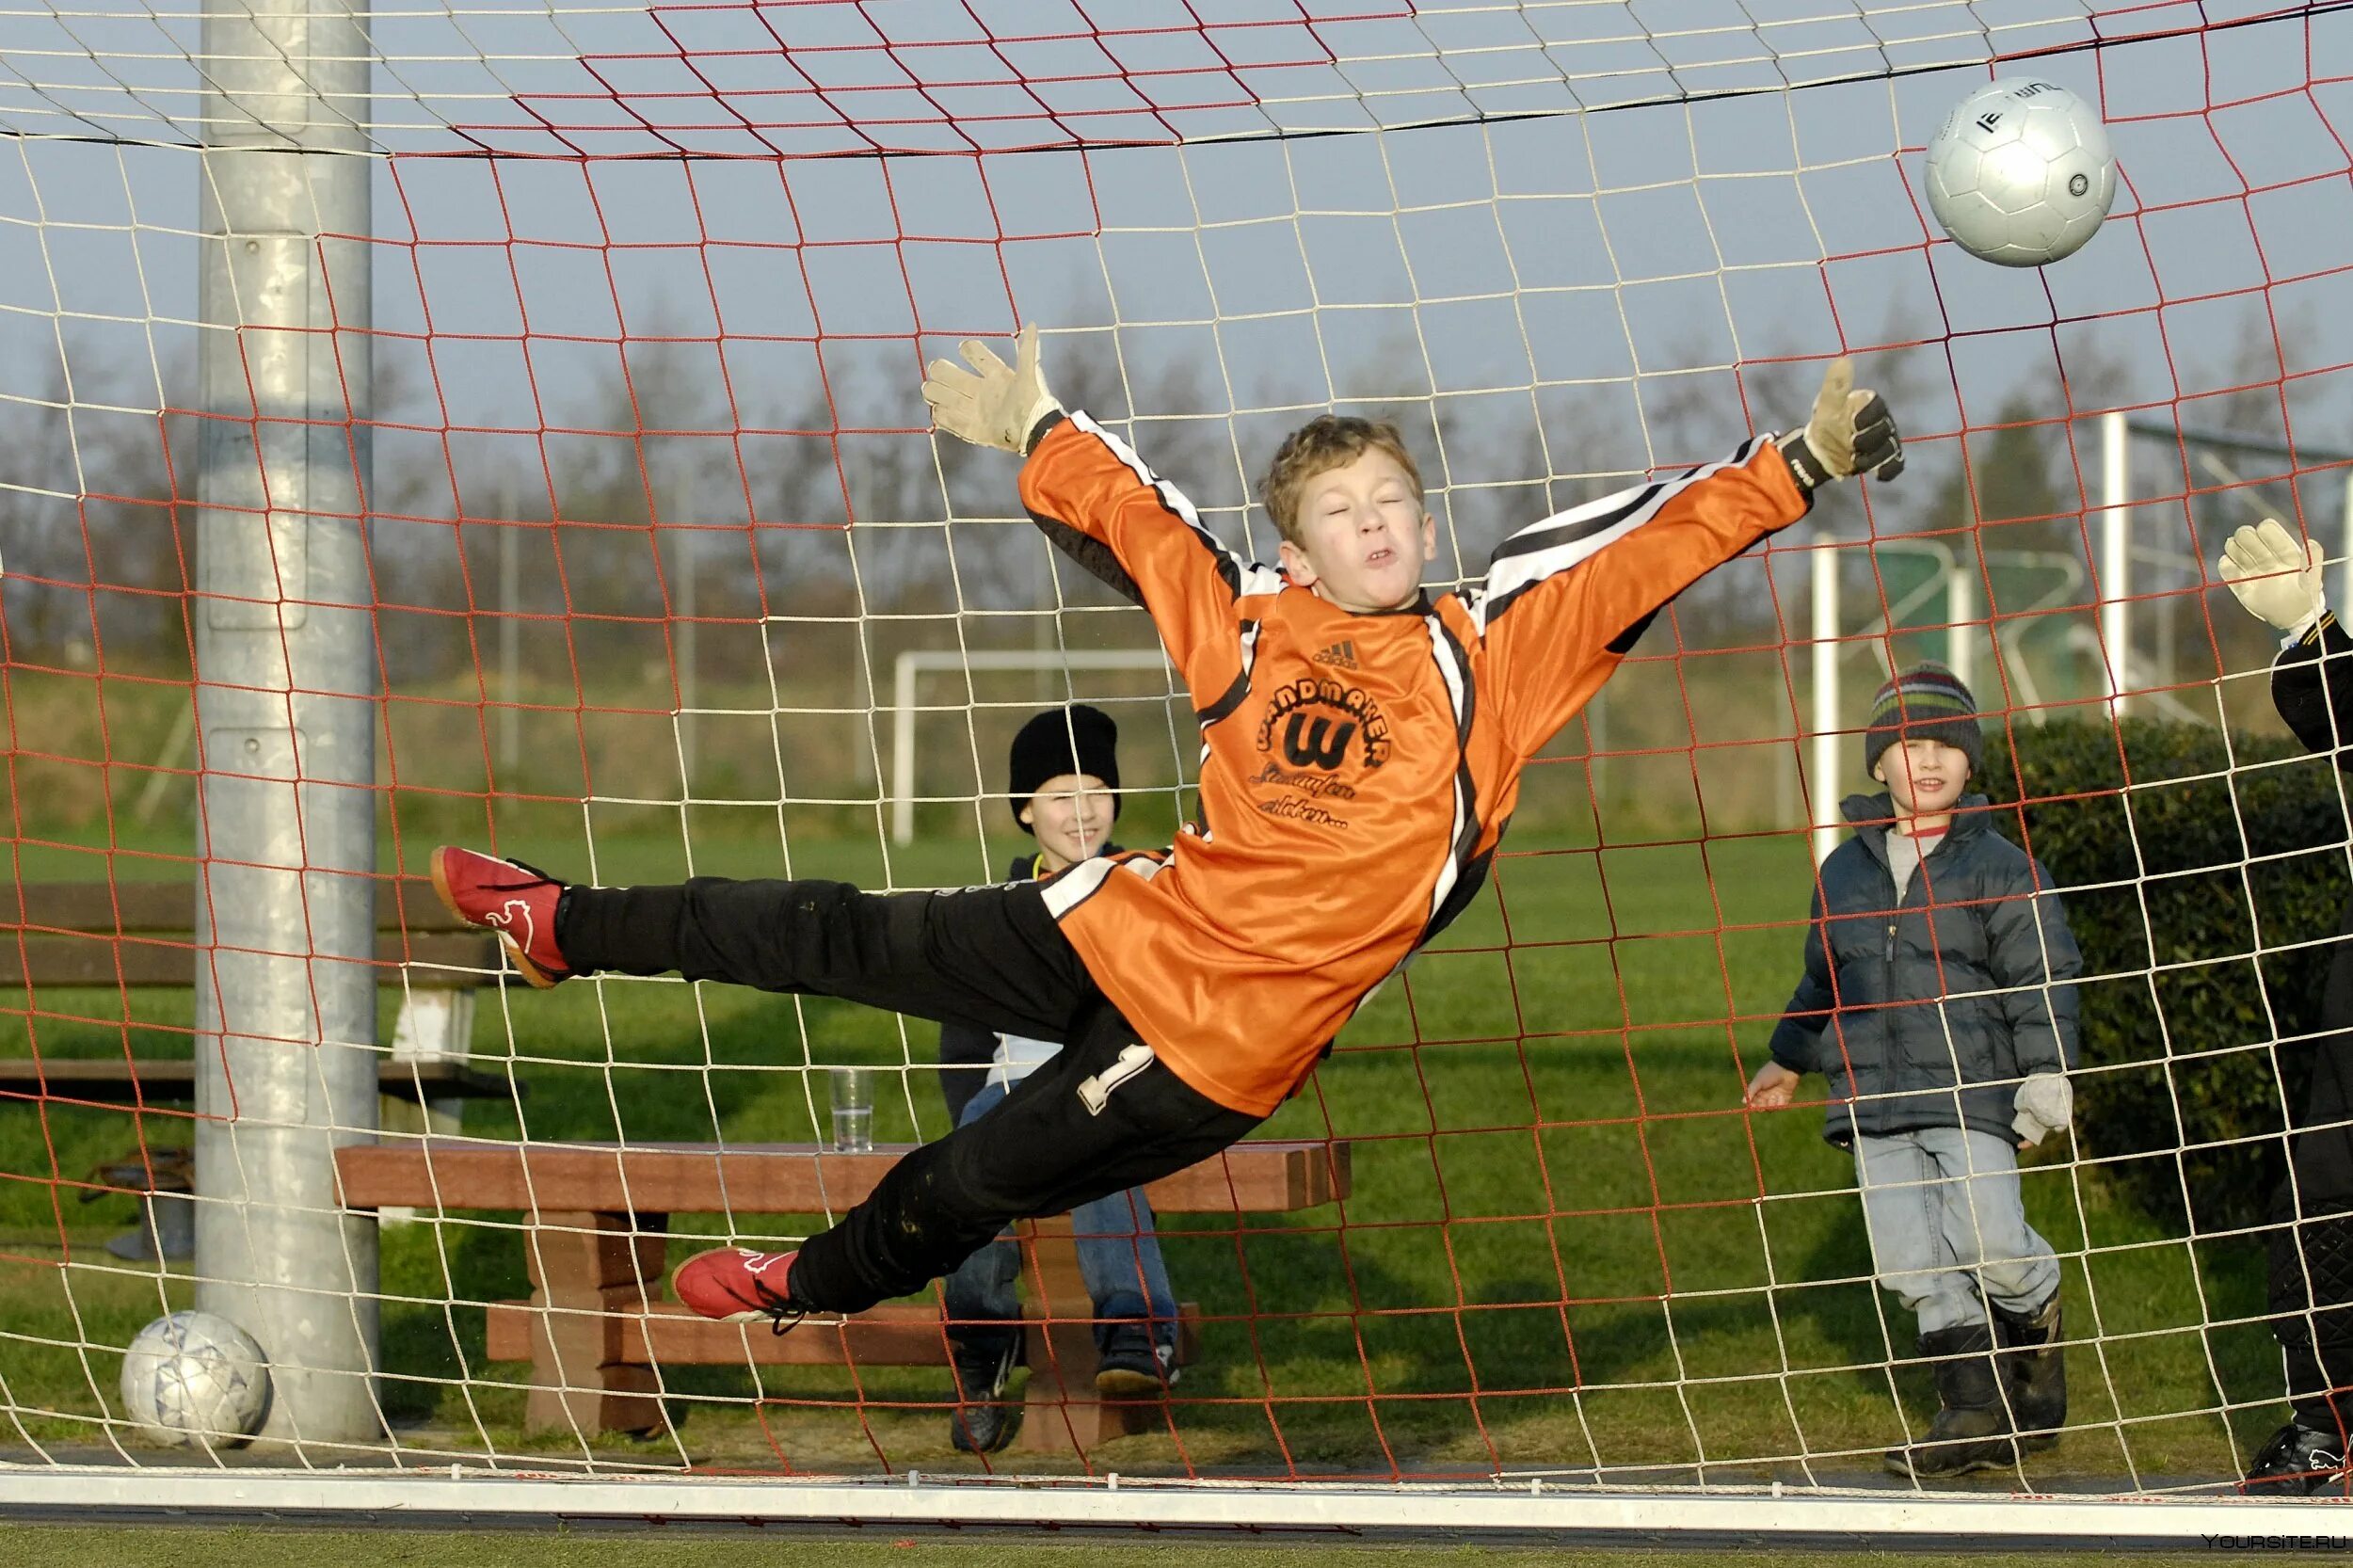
(1341, 653)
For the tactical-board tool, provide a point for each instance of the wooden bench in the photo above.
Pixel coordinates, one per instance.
(597, 1324)
(141, 936)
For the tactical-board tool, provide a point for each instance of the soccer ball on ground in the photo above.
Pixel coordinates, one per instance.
(195, 1380)
(2021, 173)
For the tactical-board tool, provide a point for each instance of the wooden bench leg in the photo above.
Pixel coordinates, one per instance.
(587, 1271)
(434, 1025)
(1060, 1409)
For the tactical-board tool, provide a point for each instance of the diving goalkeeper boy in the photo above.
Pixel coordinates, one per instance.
(1363, 747)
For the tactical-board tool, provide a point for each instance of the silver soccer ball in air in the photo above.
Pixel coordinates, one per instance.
(195, 1380)
(2021, 173)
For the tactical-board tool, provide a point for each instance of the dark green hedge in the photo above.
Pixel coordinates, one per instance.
(2166, 884)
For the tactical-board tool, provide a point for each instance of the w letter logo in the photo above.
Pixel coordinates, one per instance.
(1316, 742)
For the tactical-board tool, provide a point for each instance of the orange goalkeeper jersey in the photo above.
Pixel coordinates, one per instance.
(1357, 769)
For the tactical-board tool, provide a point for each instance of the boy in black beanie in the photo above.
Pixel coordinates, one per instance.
(1063, 784)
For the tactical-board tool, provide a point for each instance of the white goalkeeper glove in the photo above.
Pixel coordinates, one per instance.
(992, 403)
(1850, 432)
(2046, 1103)
(2274, 577)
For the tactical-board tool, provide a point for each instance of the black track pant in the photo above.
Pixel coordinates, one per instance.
(2311, 1250)
(1102, 1116)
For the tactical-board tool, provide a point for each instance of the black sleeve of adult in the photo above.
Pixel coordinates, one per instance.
(2312, 686)
(964, 1053)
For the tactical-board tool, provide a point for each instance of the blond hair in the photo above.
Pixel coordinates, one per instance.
(1323, 444)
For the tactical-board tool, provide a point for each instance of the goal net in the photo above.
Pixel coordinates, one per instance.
(607, 346)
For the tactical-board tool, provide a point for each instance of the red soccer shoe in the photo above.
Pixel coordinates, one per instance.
(737, 1284)
(509, 898)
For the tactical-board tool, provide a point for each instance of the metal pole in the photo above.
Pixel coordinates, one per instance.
(1598, 756)
(2345, 568)
(1960, 608)
(510, 646)
(902, 748)
(1048, 626)
(688, 698)
(1824, 806)
(2116, 584)
(286, 705)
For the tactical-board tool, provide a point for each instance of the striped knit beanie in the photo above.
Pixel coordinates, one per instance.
(1927, 703)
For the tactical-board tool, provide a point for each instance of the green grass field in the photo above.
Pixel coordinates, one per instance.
(1555, 1256)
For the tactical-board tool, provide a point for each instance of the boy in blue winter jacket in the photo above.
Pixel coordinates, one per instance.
(1937, 999)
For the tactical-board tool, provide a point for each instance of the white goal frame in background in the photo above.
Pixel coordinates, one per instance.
(1960, 581)
(912, 664)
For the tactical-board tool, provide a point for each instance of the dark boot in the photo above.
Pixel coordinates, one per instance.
(1972, 1428)
(2298, 1461)
(1135, 1364)
(983, 1420)
(2033, 1362)
(2311, 1291)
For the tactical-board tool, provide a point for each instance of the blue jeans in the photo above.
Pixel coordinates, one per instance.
(1119, 1257)
(1946, 1215)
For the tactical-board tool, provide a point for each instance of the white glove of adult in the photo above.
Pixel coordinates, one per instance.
(2274, 577)
(2046, 1103)
(992, 403)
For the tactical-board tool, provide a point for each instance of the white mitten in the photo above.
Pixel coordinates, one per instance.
(2046, 1103)
(2274, 577)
